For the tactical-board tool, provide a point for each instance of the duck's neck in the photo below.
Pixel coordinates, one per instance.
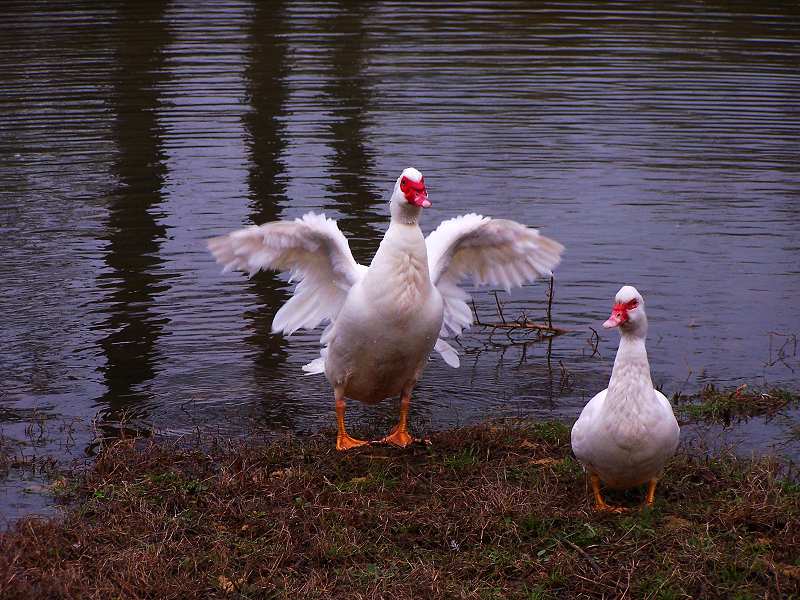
(404, 213)
(402, 240)
(398, 280)
(630, 383)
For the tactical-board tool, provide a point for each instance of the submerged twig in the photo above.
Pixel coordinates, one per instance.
(499, 307)
(594, 342)
(787, 350)
(565, 383)
(522, 323)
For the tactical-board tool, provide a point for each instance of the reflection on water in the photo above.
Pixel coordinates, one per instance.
(658, 143)
(133, 277)
(266, 137)
(348, 93)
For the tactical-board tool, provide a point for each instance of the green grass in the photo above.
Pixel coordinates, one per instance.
(727, 406)
(461, 460)
(551, 432)
(485, 512)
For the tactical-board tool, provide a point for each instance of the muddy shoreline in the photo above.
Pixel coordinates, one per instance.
(492, 511)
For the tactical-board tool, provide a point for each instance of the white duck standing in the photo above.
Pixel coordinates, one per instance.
(385, 320)
(626, 433)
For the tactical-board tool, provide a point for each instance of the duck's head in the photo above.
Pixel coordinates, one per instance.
(409, 196)
(628, 312)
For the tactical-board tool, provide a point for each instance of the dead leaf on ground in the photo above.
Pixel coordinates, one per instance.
(545, 462)
(280, 473)
(791, 571)
(226, 585)
(673, 523)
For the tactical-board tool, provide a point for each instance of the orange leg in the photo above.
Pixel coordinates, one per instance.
(651, 492)
(399, 436)
(343, 440)
(599, 503)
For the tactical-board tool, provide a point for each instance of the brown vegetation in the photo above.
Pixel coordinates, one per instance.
(485, 512)
(716, 405)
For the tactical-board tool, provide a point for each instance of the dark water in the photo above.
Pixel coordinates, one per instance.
(658, 142)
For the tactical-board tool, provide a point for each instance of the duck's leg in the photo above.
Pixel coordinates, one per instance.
(599, 503)
(343, 439)
(651, 492)
(399, 436)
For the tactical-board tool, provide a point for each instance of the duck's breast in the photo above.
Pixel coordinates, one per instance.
(387, 327)
(625, 446)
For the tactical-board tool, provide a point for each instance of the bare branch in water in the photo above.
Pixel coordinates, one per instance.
(566, 380)
(522, 324)
(499, 307)
(594, 341)
(787, 350)
(475, 312)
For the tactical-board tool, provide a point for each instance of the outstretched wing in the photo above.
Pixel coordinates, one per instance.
(311, 249)
(489, 251)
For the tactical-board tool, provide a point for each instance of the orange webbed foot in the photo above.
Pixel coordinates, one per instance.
(617, 510)
(600, 504)
(346, 442)
(398, 437)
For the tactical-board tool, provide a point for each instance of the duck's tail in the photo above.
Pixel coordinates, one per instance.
(316, 366)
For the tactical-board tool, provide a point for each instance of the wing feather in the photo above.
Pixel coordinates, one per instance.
(311, 249)
(489, 252)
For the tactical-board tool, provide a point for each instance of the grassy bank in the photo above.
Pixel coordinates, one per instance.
(484, 512)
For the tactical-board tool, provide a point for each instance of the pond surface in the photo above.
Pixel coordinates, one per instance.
(658, 143)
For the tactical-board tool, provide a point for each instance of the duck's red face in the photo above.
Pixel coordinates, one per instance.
(619, 314)
(415, 192)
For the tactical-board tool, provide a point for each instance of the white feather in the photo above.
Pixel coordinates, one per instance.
(316, 366)
(627, 432)
(448, 353)
(312, 250)
(332, 287)
(489, 251)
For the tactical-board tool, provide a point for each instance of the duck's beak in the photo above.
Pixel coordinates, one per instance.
(421, 199)
(619, 314)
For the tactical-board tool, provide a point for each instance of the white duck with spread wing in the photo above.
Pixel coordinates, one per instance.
(384, 320)
(626, 433)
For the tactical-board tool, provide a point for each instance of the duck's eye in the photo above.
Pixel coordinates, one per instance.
(403, 183)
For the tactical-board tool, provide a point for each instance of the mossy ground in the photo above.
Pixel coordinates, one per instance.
(717, 405)
(495, 511)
